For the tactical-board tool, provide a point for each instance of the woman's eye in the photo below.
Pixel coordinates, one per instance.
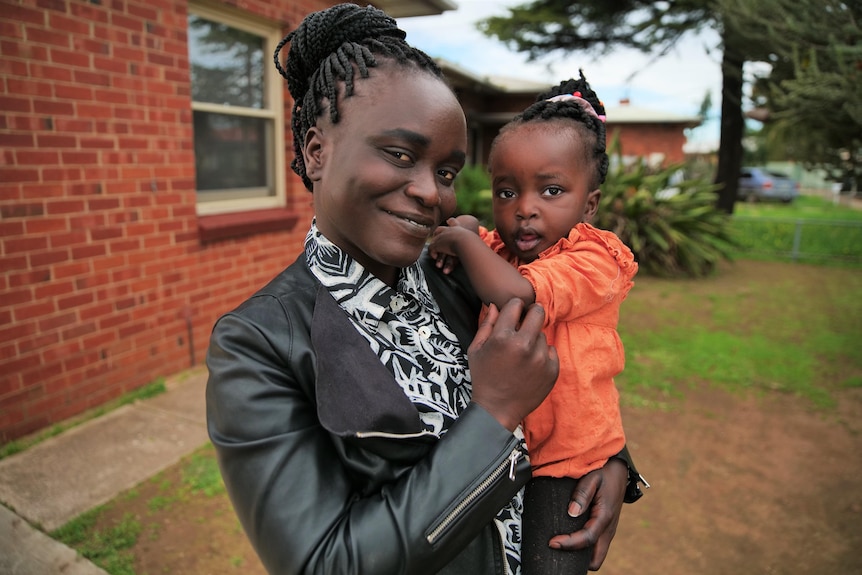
(448, 176)
(400, 156)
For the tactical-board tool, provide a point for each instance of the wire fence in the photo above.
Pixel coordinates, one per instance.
(800, 239)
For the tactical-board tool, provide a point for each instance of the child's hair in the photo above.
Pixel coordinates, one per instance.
(331, 46)
(591, 126)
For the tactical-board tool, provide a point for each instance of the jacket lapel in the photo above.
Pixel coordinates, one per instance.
(355, 391)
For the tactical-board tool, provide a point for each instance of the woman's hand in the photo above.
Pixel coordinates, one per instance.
(512, 366)
(601, 491)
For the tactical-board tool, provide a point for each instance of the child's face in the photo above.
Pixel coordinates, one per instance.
(541, 182)
(383, 176)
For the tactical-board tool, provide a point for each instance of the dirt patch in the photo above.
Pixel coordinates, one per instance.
(751, 484)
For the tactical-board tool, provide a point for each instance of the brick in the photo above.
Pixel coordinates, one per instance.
(9, 229)
(57, 321)
(22, 14)
(29, 87)
(75, 237)
(14, 297)
(36, 157)
(65, 206)
(79, 330)
(53, 289)
(73, 92)
(79, 158)
(71, 269)
(53, 108)
(67, 58)
(56, 141)
(65, 174)
(72, 26)
(25, 244)
(22, 210)
(17, 140)
(113, 321)
(28, 277)
(89, 12)
(34, 310)
(51, 37)
(15, 104)
(44, 259)
(16, 331)
(74, 301)
(49, 72)
(10, 175)
(40, 341)
(46, 225)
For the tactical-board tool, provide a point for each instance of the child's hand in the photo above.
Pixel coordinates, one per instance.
(444, 244)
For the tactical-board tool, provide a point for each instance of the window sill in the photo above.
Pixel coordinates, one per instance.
(236, 224)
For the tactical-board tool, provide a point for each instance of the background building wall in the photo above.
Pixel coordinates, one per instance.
(106, 284)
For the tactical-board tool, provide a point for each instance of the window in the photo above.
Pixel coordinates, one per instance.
(237, 113)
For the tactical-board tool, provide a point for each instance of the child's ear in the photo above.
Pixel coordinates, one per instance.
(591, 208)
(313, 153)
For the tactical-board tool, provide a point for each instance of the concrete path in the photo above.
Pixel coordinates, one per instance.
(53, 482)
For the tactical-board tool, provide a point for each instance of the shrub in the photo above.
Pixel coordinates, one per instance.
(673, 228)
(473, 189)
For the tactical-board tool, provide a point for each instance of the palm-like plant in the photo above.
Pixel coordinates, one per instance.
(674, 229)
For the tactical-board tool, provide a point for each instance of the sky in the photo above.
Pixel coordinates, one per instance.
(676, 82)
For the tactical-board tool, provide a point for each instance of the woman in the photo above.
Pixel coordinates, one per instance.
(354, 433)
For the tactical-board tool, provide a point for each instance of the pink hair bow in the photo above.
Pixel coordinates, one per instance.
(576, 97)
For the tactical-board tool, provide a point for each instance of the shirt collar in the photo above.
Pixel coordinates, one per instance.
(360, 293)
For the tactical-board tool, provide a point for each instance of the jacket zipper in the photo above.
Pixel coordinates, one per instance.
(509, 464)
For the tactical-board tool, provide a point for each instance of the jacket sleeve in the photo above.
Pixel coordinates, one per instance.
(291, 491)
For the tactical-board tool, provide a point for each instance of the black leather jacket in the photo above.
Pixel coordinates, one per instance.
(324, 457)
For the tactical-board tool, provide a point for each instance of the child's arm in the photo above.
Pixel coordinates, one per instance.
(494, 280)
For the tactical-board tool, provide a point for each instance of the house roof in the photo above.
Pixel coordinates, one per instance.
(408, 8)
(622, 114)
(628, 114)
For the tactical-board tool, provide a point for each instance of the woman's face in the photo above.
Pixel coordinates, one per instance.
(541, 182)
(383, 176)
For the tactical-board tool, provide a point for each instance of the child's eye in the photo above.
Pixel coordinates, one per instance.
(553, 191)
(505, 194)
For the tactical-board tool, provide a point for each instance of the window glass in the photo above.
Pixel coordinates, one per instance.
(226, 64)
(230, 151)
(237, 111)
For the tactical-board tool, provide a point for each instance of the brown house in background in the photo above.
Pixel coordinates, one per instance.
(491, 101)
(145, 186)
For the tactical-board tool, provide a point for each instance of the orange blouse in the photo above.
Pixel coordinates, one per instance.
(581, 282)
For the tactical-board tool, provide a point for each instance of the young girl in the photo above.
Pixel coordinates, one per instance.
(546, 167)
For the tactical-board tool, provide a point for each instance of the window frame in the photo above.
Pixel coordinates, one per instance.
(273, 111)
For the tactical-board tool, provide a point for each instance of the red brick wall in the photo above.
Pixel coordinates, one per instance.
(105, 282)
(642, 140)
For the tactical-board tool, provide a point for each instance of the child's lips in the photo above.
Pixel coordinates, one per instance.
(527, 241)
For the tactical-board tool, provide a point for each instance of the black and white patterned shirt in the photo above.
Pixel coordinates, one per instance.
(406, 330)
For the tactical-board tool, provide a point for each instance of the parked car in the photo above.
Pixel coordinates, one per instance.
(756, 184)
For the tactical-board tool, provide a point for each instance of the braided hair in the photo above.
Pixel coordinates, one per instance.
(331, 46)
(591, 128)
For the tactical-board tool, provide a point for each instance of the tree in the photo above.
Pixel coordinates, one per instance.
(545, 26)
(813, 92)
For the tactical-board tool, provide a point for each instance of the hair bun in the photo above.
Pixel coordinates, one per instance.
(322, 33)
